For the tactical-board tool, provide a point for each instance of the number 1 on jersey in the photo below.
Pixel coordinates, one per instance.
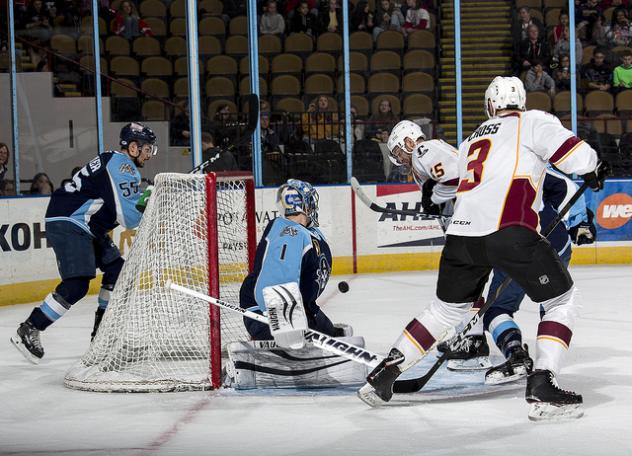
(476, 156)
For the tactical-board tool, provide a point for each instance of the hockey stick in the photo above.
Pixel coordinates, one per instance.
(320, 340)
(413, 385)
(253, 119)
(355, 185)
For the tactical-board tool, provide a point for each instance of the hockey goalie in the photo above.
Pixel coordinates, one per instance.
(291, 269)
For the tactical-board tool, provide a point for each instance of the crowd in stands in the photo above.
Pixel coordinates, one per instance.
(603, 34)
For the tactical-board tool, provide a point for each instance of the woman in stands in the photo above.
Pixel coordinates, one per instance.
(41, 185)
(320, 121)
(128, 23)
(382, 122)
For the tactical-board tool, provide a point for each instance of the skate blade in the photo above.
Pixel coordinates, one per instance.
(546, 411)
(368, 396)
(17, 343)
(498, 378)
(478, 363)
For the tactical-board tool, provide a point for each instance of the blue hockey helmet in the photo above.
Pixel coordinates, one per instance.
(298, 197)
(137, 132)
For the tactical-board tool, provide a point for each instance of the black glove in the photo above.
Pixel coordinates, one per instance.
(596, 178)
(584, 232)
(426, 199)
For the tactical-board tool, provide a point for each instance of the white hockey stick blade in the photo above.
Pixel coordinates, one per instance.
(331, 344)
(286, 313)
(546, 411)
(357, 188)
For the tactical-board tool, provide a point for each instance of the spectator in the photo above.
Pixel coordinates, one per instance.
(562, 24)
(382, 121)
(387, 17)
(586, 15)
(538, 79)
(562, 74)
(303, 21)
(41, 185)
(331, 19)
(563, 46)
(622, 77)
(220, 159)
(597, 73)
(38, 23)
(520, 28)
(270, 140)
(128, 23)
(68, 16)
(180, 124)
(274, 163)
(362, 18)
(620, 30)
(320, 122)
(225, 127)
(533, 48)
(291, 6)
(417, 18)
(601, 32)
(272, 23)
(4, 161)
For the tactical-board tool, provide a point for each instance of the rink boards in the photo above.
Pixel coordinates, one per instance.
(361, 240)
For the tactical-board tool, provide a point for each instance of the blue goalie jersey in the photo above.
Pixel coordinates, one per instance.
(288, 252)
(101, 196)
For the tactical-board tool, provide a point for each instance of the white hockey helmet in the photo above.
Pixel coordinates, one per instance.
(396, 144)
(504, 93)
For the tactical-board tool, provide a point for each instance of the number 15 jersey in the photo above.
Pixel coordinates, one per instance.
(502, 167)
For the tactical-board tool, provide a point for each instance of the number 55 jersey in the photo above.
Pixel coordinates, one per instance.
(502, 167)
(102, 195)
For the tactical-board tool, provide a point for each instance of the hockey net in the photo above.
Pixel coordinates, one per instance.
(199, 232)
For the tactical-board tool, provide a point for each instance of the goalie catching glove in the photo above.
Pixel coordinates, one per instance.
(141, 204)
(286, 313)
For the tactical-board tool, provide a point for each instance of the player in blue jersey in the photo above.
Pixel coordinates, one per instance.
(292, 249)
(101, 196)
(578, 227)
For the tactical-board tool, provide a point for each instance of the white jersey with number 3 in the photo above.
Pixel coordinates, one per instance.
(502, 167)
(439, 161)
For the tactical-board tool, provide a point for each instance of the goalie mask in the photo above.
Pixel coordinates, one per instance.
(298, 197)
(504, 93)
(402, 141)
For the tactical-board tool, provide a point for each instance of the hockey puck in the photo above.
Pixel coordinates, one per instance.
(343, 286)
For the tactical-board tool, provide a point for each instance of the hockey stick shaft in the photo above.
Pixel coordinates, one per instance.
(416, 384)
(318, 339)
(357, 188)
(253, 119)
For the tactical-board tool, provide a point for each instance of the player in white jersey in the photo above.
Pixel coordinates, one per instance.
(434, 164)
(495, 224)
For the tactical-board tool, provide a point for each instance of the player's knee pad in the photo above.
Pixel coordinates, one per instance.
(72, 290)
(111, 272)
(563, 309)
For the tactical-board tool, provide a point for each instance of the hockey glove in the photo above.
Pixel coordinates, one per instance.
(426, 199)
(596, 178)
(141, 204)
(584, 232)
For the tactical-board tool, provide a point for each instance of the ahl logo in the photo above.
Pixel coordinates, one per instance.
(614, 211)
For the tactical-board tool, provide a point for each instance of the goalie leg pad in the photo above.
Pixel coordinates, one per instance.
(263, 364)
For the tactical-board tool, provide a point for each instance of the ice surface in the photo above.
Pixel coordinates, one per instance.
(38, 416)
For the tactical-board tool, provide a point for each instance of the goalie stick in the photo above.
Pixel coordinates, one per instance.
(320, 340)
(413, 385)
(357, 188)
(253, 119)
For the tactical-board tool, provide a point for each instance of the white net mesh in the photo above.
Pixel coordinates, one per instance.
(154, 339)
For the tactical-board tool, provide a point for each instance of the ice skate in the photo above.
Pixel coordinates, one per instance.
(27, 341)
(518, 366)
(379, 387)
(472, 355)
(550, 402)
